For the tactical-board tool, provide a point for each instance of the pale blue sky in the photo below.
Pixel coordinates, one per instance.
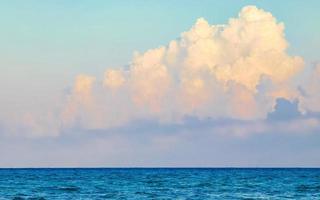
(45, 44)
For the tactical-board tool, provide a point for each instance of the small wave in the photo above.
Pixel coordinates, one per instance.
(303, 188)
(37, 198)
(204, 185)
(18, 198)
(308, 188)
(70, 188)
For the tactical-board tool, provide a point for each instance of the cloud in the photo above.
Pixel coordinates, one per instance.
(83, 84)
(239, 71)
(236, 70)
(310, 91)
(79, 99)
(224, 143)
(113, 79)
(285, 110)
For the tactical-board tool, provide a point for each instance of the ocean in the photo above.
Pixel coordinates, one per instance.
(160, 183)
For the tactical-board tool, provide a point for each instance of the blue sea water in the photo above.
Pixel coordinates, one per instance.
(229, 183)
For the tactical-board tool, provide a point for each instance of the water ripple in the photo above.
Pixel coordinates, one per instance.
(40, 184)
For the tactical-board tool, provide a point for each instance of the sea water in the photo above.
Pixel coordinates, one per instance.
(230, 183)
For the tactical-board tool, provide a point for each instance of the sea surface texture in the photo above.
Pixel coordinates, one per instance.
(159, 184)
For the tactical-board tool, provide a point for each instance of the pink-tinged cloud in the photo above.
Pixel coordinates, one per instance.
(211, 71)
(232, 71)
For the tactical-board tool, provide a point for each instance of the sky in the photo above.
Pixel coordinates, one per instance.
(159, 83)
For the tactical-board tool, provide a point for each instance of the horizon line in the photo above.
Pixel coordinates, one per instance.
(241, 167)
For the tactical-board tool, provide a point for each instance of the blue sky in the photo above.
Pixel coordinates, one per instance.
(45, 45)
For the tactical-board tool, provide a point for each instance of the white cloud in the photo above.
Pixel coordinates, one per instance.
(231, 71)
(113, 79)
(211, 71)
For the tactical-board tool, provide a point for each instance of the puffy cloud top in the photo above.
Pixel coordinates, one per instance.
(83, 84)
(113, 79)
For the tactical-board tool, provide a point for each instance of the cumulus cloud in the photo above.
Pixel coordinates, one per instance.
(80, 104)
(236, 70)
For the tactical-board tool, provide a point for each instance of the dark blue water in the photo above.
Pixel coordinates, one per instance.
(160, 184)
